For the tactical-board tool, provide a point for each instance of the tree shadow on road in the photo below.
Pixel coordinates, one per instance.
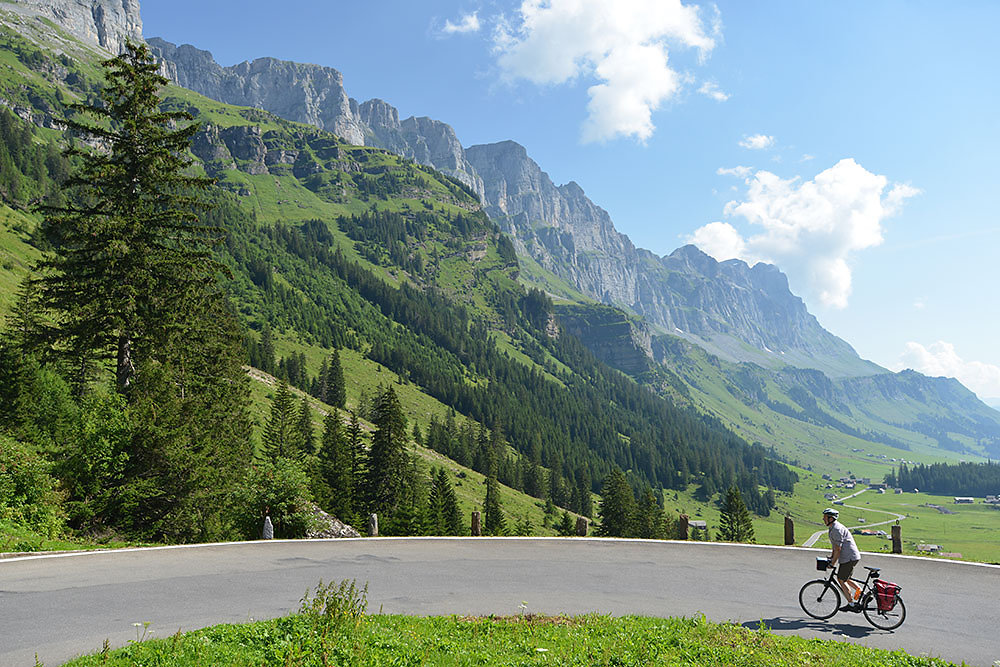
(779, 624)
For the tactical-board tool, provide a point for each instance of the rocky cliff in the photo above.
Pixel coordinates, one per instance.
(735, 311)
(315, 95)
(103, 23)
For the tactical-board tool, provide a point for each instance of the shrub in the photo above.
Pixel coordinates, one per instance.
(279, 489)
(28, 495)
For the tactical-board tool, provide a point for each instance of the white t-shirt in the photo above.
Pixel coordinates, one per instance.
(840, 536)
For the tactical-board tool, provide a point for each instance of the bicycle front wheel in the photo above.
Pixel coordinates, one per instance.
(819, 599)
(884, 620)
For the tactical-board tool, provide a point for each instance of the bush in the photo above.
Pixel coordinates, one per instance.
(278, 489)
(28, 495)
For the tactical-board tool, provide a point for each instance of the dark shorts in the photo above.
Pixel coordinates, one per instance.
(845, 570)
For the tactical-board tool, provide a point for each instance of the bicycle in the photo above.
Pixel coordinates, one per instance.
(820, 598)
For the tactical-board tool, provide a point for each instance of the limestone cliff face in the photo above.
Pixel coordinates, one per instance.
(103, 23)
(735, 311)
(424, 140)
(315, 95)
(305, 93)
(559, 227)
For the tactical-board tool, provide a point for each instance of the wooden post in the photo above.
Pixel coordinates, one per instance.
(789, 531)
(682, 527)
(582, 524)
(477, 528)
(373, 525)
(897, 539)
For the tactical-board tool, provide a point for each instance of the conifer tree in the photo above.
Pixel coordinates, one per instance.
(132, 284)
(494, 522)
(304, 436)
(444, 517)
(650, 523)
(617, 509)
(280, 433)
(734, 521)
(130, 250)
(337, 469)
(335, 387)
(387, 458)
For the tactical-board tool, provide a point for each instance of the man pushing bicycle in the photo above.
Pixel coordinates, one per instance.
(844, 557)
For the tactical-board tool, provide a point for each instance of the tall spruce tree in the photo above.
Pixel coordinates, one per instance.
(337, 469)
(131, 285)
(131, 257)
(734, 521)
(388, 459)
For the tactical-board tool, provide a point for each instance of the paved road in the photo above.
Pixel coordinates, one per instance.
(64, 606)
(820, 533)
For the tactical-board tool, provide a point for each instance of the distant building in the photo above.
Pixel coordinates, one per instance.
(874, 487)
(897, 490)
(929, 548)
(703, 525)
(964, 501)
(830, 496)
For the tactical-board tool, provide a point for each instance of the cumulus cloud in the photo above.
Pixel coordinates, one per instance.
(941, 359)
(757, 142)
(720, 240)
(711, 89)
(623, 45)
(809, 229)
(468, 23)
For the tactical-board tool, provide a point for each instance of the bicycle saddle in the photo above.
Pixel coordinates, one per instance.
(873, 569)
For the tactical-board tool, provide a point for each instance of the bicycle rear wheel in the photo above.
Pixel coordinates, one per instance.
(819, 599)
(884, 620)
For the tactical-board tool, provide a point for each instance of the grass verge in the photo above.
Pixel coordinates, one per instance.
(332, 629)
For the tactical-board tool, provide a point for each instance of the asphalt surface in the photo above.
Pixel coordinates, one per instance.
(60, 607)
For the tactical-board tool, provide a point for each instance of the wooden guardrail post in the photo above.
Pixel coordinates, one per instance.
(582, 525)
(789, 531)
(682, 527)
(373, 525)
(477, 528)
(897, 539)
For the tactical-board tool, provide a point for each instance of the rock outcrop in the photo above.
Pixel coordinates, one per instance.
(103, 23)
(315, 95)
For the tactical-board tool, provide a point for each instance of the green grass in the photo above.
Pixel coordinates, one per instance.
(15, 538)
(515, 640)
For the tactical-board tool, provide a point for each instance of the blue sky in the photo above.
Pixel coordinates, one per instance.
(852, 143)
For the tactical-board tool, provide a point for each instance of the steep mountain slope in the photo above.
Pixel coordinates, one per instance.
(338, 245)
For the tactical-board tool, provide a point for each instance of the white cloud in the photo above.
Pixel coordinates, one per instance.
(810, 229)
(941, 359)
(711, 89)
(622, 45)
(757, 142)
(468, 23)
(720, 240)
(738, 172)
(806, 157)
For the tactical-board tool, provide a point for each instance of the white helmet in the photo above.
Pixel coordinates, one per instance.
(832, 512)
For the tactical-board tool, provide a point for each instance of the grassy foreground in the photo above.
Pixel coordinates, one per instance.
(332, 629)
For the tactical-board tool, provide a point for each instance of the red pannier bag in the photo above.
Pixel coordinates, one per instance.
(885, 594)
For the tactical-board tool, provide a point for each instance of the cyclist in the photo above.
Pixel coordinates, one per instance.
(844, 557)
